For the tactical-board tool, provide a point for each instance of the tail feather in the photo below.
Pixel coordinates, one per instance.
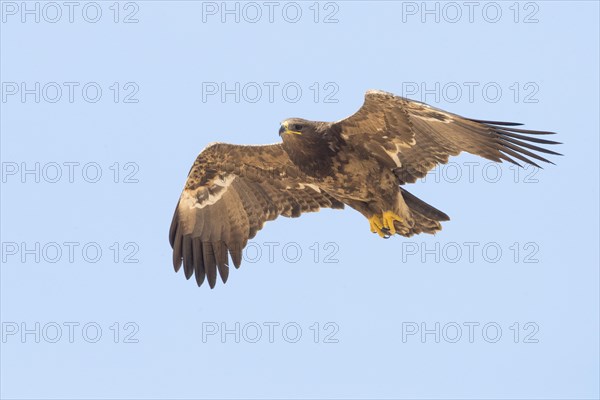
(425, 218)
(418, 205)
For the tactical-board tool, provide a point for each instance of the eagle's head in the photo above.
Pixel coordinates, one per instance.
(309, 144)
(298, 126)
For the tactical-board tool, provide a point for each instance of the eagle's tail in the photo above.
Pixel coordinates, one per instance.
(426, 217)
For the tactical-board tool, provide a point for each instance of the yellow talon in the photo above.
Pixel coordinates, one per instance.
(389, 218)
(377, 225)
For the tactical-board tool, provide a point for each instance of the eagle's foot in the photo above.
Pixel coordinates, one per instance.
(389, 217)
(377, 226)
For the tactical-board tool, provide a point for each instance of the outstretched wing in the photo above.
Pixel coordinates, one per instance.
(413, 137)
(231, 191)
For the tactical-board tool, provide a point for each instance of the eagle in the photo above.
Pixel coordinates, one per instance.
(363, 161)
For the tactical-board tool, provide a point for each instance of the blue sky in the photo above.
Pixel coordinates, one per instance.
(104, 108)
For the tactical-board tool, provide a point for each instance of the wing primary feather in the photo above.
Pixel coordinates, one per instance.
(529, 146)
(481, 121)
(524, 137)
(526, 152)
(210, 265)
(529, 131)
(222, 260)
(177, 251)
(236, 253)
(188, 257)
(173, 229)
(510, 160)
(519, 156)
(198, 261)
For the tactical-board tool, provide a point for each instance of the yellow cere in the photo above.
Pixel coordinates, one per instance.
(287, 129)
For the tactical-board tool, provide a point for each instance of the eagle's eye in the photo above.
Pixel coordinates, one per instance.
(298, 127)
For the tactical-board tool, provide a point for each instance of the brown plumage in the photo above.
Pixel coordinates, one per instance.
(360, 161)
